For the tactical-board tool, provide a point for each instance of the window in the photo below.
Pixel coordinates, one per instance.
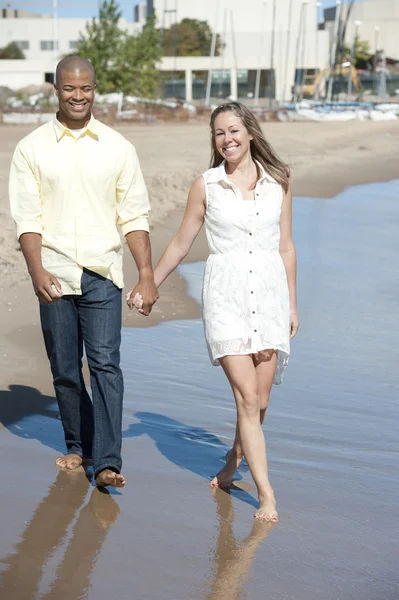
(23, 45)
(49, 77)
(49, 45)
(73, 45)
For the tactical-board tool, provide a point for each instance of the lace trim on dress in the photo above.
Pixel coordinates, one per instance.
(218, 349)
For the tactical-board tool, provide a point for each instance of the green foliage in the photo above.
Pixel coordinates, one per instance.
(11, 51)
(362, 53)
(123, 62)
(140, 56)
(190, 37)
(102, 44)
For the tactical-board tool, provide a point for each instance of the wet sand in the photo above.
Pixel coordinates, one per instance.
(332, 444)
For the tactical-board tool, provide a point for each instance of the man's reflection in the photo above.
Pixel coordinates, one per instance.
(47, 531)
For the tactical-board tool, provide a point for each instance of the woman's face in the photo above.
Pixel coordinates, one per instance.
(231, 137)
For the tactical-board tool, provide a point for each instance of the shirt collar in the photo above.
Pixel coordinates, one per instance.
(219, 174)
(92, 128)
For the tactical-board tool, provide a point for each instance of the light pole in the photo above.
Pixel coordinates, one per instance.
(55, 33)
(262, 24)
(212, 56)
(303, 63)
(316, 87)
(334, 50)
(271, 78)
(376, 44)
(287, 49)
(382, 86)
(352, 59)
(299, 52)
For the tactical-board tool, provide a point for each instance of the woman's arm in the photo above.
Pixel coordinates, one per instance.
(181, 244)
(288, 254)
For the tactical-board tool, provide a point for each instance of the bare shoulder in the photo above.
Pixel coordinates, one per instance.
(198, 186)
(197, 190)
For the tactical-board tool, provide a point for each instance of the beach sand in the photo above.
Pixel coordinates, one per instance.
(330, 429)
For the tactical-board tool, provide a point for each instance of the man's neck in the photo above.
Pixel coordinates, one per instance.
(72, 124)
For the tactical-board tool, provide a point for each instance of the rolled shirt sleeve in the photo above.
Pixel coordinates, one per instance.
(133, 205)
(24, 191)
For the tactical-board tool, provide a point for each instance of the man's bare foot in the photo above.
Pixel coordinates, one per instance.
(224, 478)
(109, 477)
(69, 461)
(267, 508)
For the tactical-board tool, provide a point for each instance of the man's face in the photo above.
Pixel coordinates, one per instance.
(75, 91)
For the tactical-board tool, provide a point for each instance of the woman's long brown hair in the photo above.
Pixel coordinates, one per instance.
(261, 150)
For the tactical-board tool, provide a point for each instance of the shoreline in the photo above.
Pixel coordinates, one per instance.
(322, 167)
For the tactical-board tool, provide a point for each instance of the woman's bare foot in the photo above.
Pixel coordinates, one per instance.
(267, 508)
(224, 478)
(109, 477)
(69, 461)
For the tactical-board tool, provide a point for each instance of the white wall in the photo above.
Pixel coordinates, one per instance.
(36, 30)
(383, 14)
(17, 74)
(246, 28)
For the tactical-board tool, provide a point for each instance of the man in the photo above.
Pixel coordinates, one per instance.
(72, 182)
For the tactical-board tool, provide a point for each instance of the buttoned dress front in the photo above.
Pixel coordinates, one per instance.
(245, 299)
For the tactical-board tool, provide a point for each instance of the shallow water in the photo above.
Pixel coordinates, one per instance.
(332, 444)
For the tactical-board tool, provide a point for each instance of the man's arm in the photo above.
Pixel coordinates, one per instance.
(140, 247)
(133, 207)
(26, 211)
(47, 287)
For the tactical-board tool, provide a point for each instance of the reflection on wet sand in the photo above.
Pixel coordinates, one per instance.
(232, 558)
(47, 531)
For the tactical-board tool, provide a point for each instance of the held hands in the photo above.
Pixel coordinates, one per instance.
(135, 301)
(143, 296)
(294, 323)
(47, 287)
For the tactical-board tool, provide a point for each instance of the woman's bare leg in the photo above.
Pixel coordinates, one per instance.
(265, 365)
(241, 373)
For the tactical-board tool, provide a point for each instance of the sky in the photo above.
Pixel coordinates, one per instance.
(85, 8)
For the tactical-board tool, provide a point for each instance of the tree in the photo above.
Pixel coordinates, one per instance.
(362, 53)
(11, 51)
(123, 63)
(103, 44)
(140, 56)
(190, 37)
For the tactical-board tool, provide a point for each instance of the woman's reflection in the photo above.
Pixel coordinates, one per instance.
(233, 559)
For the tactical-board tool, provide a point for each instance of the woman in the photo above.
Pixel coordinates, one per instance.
(249, 289)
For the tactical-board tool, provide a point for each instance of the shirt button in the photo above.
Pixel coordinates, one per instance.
(250, 234)
(255, 330)
(257, 214)
(250, 271)
(253, 312)
(250, 251)
(251, 292)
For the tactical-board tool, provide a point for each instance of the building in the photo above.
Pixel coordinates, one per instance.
(278, 37)
(45, 37)
(377, 22)
(266, 45)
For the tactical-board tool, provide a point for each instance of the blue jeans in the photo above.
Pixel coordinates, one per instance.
(93, 429)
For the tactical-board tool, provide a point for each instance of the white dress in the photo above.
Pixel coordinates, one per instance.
(245, 300)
